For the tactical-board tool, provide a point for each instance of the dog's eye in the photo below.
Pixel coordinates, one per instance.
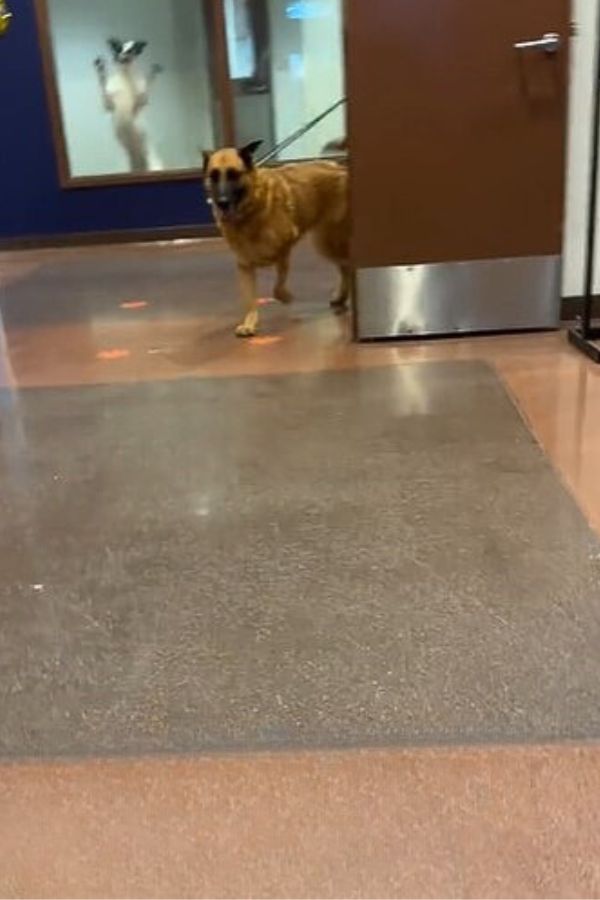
(214, 176)
(232, 175)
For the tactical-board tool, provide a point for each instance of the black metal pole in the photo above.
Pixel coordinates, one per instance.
(586, 323)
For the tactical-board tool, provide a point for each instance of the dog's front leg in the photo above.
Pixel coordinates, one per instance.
(107, 100)
(248, 326)
(143, 97)
(281, 291)
(340, 298)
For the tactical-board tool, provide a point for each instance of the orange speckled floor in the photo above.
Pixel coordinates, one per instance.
(502, 821)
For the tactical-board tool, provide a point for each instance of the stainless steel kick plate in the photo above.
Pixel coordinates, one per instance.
(458, 298)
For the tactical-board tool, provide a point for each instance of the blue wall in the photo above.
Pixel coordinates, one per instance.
(31, 200)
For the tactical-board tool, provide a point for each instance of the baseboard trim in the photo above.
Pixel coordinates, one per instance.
(121, 236)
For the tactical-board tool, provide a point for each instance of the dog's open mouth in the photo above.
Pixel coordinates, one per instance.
(227, 213)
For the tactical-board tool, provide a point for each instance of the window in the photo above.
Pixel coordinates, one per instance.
(133, 83)
(138, 87)
(286, 62)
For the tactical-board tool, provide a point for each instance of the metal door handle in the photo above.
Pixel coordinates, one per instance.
(549, 43)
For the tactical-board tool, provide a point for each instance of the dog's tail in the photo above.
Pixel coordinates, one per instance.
(336, 148)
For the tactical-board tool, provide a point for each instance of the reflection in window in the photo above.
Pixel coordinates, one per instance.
(133, 83)
(306, 9)
(240, 39)
(297, 52)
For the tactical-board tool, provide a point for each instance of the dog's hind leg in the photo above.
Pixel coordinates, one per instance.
(249, 324)
(340, 298)
(280, 291)
(331, 241)
(133, 141)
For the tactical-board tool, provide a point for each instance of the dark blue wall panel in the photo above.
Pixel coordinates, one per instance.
(31, 200)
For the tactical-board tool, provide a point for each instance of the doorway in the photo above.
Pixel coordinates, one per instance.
(457, 125)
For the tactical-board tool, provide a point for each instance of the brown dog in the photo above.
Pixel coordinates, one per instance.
(263, 212)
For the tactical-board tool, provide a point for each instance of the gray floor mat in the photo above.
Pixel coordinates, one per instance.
(353, 558)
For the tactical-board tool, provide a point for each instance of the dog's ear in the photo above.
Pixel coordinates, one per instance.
(206, 155)
(139, 47)
(247, 153)
(114, 44)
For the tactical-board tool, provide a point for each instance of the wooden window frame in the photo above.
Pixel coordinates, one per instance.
(223, 120)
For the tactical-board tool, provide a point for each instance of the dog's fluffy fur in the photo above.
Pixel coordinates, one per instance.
(263, 212)
(125, 92)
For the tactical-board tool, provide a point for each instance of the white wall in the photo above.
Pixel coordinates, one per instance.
(179, 116)
(585, 13)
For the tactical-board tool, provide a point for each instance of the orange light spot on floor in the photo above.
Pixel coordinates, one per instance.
(110, 355)
(265, 341)
(264, 300)
(133, 304)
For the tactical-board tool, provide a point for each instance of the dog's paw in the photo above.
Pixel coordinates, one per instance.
(283, 295)
(244, 331)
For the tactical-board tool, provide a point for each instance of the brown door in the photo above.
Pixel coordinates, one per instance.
(457, 124)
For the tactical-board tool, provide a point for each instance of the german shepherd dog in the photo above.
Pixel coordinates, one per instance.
(263, 212)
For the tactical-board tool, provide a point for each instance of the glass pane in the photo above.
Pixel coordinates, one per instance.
(134, 84)
(286, 62)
